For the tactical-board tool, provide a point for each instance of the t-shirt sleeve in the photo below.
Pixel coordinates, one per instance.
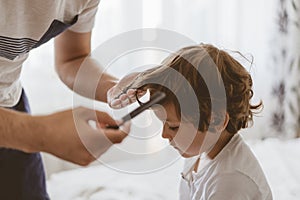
(86, 18)
(233, 187)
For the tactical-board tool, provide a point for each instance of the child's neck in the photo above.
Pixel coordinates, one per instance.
(224, 139)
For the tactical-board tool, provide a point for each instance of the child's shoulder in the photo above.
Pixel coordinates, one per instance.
(236, 156)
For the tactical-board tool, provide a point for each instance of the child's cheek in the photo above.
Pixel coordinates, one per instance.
(184, 138)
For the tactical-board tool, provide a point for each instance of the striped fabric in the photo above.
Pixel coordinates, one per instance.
(10, 48)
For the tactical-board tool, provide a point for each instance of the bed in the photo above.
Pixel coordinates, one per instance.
(280, 160)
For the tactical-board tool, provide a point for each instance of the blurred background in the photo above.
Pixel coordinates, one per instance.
(268, 31)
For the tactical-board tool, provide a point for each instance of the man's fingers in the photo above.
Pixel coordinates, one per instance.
(104, 118)
(126, 99)
(141, 93)
(117, 136)
(131, 92)
(126, 127)
(123, 101)
(123, 97)
(115, 103)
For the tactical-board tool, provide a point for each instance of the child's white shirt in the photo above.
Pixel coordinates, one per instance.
(234, 174)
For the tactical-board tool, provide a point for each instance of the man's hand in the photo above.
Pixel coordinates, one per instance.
(123, 94)
(70, 136)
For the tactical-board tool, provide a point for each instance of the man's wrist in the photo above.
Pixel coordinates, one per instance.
(37, 130)
(20, 131)
(103, 89)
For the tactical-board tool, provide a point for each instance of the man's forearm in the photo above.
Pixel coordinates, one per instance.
(86, 77)
(18, 131)
(77, 69)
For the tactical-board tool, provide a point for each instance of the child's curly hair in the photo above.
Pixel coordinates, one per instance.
(203, 58)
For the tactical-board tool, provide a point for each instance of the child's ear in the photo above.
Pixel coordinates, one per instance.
(220, 122)
(225, 122)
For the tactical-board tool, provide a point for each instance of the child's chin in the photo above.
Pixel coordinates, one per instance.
(184, 155)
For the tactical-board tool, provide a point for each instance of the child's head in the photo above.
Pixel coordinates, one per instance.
(191, 72)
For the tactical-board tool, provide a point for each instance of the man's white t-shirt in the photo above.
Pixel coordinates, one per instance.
(234, 174)
(25, 25)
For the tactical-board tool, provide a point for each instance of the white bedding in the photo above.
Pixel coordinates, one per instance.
(101, 182)
(279, 159)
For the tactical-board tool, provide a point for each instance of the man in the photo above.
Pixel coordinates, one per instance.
(25, 25)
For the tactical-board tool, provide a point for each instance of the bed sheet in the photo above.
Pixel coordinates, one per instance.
(279, 159)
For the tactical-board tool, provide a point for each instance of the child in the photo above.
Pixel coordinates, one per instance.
(208, 102)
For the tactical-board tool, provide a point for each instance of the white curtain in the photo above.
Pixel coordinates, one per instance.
(285, 116)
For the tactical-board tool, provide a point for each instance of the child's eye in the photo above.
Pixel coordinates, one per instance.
(174, 128)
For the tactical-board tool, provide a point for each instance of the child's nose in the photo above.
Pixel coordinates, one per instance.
(165, 134)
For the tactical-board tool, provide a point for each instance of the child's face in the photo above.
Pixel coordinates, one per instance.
(183, 136)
